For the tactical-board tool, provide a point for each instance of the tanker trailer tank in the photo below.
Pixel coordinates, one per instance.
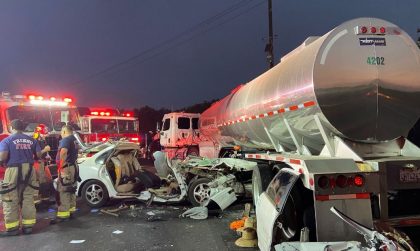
(361, 80)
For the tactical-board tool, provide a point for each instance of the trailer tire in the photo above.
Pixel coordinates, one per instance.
(291, 218)
(261, 177)
(199, 192)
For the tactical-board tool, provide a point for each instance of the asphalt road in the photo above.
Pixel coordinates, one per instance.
(155, 228)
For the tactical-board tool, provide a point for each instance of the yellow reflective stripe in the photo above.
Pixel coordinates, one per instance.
(29, 222)
(12, 225)
(65, 214)
(72, 209)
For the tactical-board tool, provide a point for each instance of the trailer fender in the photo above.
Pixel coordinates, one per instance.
(271, 204)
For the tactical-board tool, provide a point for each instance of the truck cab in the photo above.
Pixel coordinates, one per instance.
(180, 130)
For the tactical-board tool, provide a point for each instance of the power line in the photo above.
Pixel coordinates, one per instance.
(179, 43)
(174, 39)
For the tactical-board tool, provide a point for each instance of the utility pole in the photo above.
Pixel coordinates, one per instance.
(418, 37)
(269, 45)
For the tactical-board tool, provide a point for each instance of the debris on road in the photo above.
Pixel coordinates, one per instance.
(77, 241)
(196, 213)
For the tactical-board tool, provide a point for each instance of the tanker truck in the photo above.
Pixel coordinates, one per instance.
(327, 128)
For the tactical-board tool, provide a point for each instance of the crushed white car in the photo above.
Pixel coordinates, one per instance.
(112, 171)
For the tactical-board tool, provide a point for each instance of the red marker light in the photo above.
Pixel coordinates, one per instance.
(373, 29)
(31, 97)
(52, 98)
(94, 113)
(102, 113)
(40, 98)
(135, 139)
(359, 180)
(68, 100)
(363, 29)
(103, 139)
(107, 113)
(382, 30)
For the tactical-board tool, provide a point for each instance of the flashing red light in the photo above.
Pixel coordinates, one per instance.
(40, 98)
(373, 29)
(104, 139)
(363, 29)
(341, 181)
(68, 100)
(382, 30)
(107, 113)
(323, 182)
(359, 180)
(94, 113)
(31, 97)
(53, 99)
(134, 139)
(102, 113)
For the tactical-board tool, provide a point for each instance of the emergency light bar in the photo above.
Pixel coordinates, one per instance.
(48, 102)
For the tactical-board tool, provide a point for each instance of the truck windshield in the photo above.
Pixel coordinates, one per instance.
(53, 117)
(114, 126)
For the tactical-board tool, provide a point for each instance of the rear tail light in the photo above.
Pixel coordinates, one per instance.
(104, 139)
(323, 182)
(341, 181)
(359, 180)
(134, 139)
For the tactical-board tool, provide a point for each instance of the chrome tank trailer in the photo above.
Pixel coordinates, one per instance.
(361, 80)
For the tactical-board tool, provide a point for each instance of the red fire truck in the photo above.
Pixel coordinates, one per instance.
(108, 124)
(33, 110)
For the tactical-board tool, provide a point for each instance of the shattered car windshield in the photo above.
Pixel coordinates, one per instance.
(53, 117)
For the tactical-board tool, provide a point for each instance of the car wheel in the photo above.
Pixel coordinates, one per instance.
(199, 192)
(261, 177)
(95, 193)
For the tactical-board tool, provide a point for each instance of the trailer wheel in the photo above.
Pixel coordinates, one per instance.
(290, 222)
(199, 192)
(261, 177)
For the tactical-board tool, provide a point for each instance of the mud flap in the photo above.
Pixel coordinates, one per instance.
(223, 198)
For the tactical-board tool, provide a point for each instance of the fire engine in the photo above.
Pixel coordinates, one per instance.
(101, 125)
(33, 110)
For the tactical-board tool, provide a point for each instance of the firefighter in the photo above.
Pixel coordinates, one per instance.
(68, 175)
(41, 164)
(20, 184)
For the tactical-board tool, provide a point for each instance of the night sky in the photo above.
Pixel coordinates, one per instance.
(161, 53)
